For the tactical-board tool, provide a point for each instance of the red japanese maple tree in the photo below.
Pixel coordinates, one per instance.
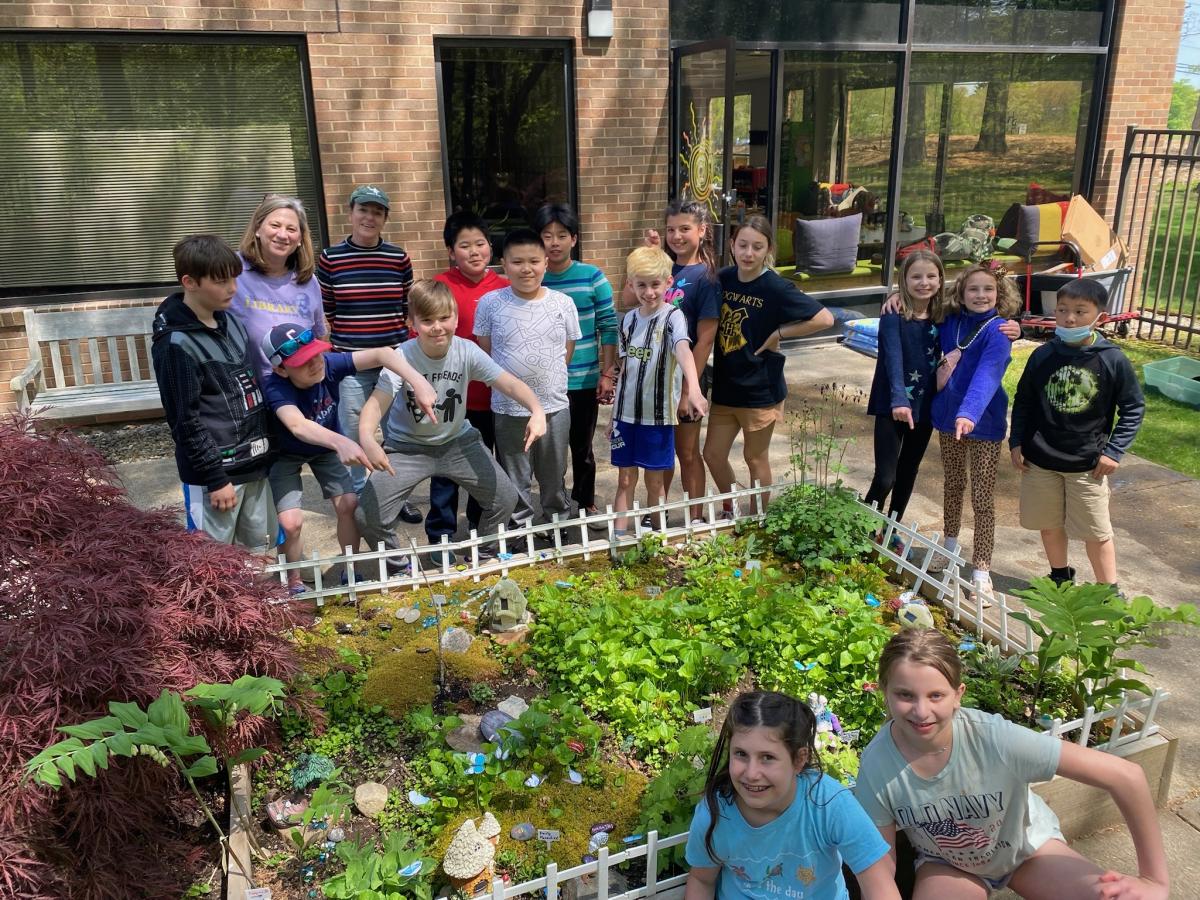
(102, 601)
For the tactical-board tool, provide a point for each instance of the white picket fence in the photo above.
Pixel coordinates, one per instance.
(1133, 719)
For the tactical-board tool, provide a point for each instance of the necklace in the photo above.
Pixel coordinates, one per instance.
(978, 330)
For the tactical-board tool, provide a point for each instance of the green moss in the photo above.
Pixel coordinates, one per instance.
(582, 807)
(404, 677)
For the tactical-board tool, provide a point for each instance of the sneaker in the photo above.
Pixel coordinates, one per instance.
(398, 565)
(982, 589)
(648, 522)
(438, 557)
(295, 590)
(410, 514)
(699, 522)
(597, 527)
(1070, 579)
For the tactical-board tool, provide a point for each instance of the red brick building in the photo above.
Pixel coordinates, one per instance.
(127, 125)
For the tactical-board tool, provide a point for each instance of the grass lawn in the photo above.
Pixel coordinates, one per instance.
(1170, 433)
(1171, 278)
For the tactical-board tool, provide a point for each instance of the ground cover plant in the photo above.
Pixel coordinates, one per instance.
(100, 602)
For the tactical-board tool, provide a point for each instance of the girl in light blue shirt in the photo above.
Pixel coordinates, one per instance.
(771, 825)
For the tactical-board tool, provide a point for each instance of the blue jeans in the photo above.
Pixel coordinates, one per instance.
(353, 393)
(442, 518)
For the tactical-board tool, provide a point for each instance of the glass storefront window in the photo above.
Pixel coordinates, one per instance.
(844, 21)
(1035, 23)
(834, 154)
(508, 126)
(113, 150)
(986, 131)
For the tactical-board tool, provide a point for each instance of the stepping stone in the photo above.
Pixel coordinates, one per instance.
(456, 640)
(513, 706)
(465, 738)
(492, 724)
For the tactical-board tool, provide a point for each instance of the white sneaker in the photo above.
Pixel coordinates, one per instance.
(982, 588)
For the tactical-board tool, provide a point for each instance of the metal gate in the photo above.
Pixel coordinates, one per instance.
(1158, 214)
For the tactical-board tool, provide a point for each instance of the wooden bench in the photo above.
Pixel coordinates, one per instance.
(99, 364)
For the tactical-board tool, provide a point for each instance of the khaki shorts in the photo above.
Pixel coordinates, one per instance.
(745, 418)
(1074, 500)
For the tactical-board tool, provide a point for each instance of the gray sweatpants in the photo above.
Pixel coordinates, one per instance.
(464, 459)
(546, 461)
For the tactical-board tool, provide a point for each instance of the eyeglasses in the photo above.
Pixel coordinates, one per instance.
(290, 346)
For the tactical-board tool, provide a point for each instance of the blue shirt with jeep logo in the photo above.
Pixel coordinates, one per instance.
(317, 403)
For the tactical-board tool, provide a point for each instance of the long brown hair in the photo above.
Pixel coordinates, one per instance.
(699, 212)
(763, 226)
(1008, 300)
(938, 308)
(922, 647)
(302, 261)
(793, 722)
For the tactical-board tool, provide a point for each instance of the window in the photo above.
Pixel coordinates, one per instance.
(1038, 23)
(834, 157)
(509, 129)
(816, 21)
(986, 130)
(114, 149)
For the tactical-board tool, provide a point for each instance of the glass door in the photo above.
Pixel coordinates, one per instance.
(702, 135)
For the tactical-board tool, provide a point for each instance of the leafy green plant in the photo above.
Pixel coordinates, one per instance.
(481, 692)
(1091, 628)
(330, 806)
(374, 875)
(810, 524)
(671, 797)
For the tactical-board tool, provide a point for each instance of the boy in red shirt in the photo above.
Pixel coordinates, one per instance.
(469, 278)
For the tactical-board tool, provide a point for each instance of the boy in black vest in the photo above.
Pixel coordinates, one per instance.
(212, 399)
(1063, 441)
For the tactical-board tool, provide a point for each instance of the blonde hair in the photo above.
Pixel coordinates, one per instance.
(922, 647)
(938, 307)
(1008, 300)
(648, 262)
(302, 260)
(429, 299)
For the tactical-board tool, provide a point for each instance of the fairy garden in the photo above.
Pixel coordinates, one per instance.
(422, 744)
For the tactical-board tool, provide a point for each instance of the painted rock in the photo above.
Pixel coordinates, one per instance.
(410, 614)
(337, 835)
(456, 640)
(344, 628)
(915, 615)
(370, 797)
(492, 724)
(602, 826)
(513, 706)
(600, 839)
(523, 832)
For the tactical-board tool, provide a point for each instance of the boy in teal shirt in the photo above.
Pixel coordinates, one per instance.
(591, 375)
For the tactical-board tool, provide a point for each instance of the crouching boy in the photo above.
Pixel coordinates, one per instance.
(303, 390)
(1063, 441)
(417, 447)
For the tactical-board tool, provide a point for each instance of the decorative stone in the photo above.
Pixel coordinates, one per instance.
(385, 626)
(409, 614)
(599, 839)
(513, 706)
(522, 832)
(370, 797)
(416, 798)
(516, 636)
(344, 628)
(429, 621)
(492, 724)
(737, 573)
(465, 738)
(337, 835)
(602, 826)
(574, 777)
(456, 640)
(653, 590)
(915, 615)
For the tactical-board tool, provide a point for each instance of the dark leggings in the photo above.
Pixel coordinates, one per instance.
(898, 453)
(442, 517)
(585, 409)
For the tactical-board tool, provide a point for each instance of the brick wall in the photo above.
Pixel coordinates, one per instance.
(375, 99)
(1142, 61)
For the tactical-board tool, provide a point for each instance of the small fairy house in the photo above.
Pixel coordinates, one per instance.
(489, 829)
(506, 606)
(469, 859)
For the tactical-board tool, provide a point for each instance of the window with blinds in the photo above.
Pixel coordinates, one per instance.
(112, 150)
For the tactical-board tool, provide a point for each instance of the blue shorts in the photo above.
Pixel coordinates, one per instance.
(643, 446)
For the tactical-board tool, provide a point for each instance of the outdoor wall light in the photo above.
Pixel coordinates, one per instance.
(599, 18)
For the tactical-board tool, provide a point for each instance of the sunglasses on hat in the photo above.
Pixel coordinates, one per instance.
(290, 346)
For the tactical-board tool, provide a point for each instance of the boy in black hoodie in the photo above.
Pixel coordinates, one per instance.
(212, 399)
(1063, 441)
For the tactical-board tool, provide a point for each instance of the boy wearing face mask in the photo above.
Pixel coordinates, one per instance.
(1063, 440)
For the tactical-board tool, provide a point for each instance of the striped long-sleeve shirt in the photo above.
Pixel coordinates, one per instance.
(365, 294)
(593, 297)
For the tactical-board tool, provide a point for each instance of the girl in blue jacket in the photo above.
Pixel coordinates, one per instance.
(970, 411)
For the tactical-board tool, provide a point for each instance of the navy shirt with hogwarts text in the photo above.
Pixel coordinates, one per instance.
(751, 311)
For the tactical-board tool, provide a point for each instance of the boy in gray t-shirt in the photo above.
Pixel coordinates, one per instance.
(531, 331)
(416, 448)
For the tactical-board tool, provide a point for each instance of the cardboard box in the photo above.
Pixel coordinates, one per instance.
(1099, 246)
